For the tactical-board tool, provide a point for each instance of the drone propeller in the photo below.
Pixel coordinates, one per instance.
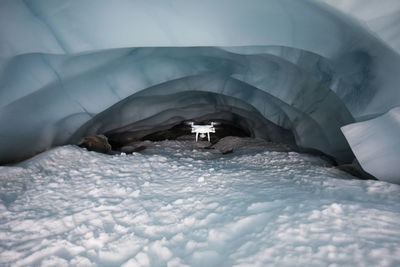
(215, 123)
(190, 123)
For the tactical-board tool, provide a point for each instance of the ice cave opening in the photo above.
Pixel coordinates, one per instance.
(146, 119)
(283, 94)
(304, 96)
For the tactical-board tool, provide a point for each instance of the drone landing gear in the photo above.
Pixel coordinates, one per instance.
(202, 135)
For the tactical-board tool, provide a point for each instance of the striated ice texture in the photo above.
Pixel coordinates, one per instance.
(376, 144)
(72, 68)
(381, 17)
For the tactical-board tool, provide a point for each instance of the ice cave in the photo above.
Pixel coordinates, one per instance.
(304, 166)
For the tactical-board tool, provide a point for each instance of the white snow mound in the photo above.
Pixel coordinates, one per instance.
(177, 205)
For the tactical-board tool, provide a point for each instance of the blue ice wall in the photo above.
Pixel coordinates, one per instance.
(376, 144)
(380, 17)
(68, 67)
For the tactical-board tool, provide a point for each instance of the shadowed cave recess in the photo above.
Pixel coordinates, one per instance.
(311, 90)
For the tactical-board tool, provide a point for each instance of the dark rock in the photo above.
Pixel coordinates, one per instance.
(119, 140)
(187, 137)
(227, 152)
(136, 147)
(98, 143)
(132, 149)
(355, 170)
(230, 144)
(140, 148)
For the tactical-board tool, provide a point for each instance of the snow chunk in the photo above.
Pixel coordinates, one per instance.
(376, 144)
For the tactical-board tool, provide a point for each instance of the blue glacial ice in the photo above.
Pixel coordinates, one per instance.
(319, 76)
(376, 144)
(60, 71)
(380, 17)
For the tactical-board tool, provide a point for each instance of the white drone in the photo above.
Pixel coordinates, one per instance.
(202, 130)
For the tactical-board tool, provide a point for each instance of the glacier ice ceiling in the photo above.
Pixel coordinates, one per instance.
(296, 72)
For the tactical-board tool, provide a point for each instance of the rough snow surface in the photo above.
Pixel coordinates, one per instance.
(178, 205)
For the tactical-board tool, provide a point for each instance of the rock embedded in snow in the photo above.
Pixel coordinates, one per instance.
(136, 146)
(231, 144)
(98, 143)
(132, 149)
(171, 206)
(355, 170)
(314, 71)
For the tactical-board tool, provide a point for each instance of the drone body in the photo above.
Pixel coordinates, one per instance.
(202, 130)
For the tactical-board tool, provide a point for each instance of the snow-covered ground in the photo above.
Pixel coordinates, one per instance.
(177, 205)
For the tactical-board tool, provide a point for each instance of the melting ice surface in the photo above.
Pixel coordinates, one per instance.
(178, 205)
